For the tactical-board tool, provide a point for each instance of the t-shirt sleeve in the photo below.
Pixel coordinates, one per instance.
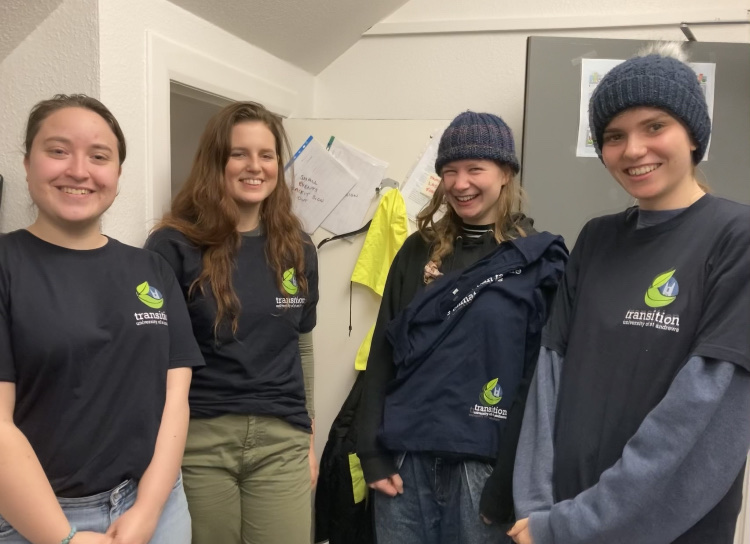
(555, 335)
(723, 327)
(167, 243)
(683, 459)
(7, 364)
(309, 312)
(183, 348)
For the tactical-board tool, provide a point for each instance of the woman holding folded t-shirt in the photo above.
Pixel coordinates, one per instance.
(455, 344)
(637, 427)
(96, 352)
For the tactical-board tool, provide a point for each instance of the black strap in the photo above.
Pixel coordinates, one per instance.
(360, 230)
(350, 308)
(346, 235)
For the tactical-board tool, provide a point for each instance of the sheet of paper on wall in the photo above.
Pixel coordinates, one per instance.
(318, 184)
(706, 72)
(349, 214)
(422, 181)
(593, 70)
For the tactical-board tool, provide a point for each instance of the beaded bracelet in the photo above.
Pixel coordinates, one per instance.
(68, 538)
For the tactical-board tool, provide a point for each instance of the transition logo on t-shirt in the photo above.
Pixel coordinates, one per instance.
(289, 283)
(663, 292)
(664, 289)
(152, 298)
(490, 395)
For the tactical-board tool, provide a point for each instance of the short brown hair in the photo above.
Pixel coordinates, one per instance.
(45, 108)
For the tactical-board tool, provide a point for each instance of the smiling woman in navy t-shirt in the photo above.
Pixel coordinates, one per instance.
(250, 276)
(636, 428)
(95, 353)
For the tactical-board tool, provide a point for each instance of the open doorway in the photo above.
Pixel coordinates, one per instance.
(189, 111)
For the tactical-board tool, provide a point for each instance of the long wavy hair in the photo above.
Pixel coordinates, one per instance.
(442, 234)
(208, 216)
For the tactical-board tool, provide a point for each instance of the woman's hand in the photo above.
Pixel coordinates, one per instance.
(136, 526)
(520, 532)
(88, 537)
(313, 465)
(391, 486)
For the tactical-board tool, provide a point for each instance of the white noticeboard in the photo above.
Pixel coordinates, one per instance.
(422, 181)
(593, 70)
(348, 215)
(319, 183)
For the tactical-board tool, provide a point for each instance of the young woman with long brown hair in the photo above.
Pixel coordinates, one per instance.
(249, 275)
(454, 343)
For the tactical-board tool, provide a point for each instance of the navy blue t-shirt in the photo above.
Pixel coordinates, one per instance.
(634, 305)
(88, 336)
(258, 369)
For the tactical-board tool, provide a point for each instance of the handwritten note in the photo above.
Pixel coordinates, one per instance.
(349, 214)
(318, 182)
(422, 181)
(430, 185)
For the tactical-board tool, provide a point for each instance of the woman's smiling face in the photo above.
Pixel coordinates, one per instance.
(472, 189)
(649, 153)
(73, 167)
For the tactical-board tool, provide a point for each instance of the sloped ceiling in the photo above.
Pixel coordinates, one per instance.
(18, 18)
(307, 33)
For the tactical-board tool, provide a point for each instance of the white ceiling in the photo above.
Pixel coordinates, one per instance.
(18, 18)
(307, 33)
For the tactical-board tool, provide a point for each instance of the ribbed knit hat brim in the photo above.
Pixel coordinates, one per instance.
(652, 81)
(474, 135)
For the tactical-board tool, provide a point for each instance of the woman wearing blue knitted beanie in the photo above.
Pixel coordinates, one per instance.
(455, 344)
(636, 427)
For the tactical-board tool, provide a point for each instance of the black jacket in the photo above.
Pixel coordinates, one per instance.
(341, 515)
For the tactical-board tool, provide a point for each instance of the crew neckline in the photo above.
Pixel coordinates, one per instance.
(28, 234)
(670, 223)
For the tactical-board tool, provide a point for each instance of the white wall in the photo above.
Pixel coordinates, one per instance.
(144, 43)
(438, 75)
(60, 56)
(742, 536)
(19, 19)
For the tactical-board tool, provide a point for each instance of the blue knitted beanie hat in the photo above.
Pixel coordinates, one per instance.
(657, 81)
(474, 135)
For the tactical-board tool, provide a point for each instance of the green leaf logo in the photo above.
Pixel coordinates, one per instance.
(663, 290)
(150, 296)
(492, 393)
(289, 281)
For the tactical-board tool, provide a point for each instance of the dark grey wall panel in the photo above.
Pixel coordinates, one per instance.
(564, 190)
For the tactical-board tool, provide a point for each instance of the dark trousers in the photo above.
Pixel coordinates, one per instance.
(440, 504)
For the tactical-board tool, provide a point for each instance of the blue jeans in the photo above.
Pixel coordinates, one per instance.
(440, 504)
(97, 512)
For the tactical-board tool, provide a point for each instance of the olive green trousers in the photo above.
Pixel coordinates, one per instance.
(247, 481)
